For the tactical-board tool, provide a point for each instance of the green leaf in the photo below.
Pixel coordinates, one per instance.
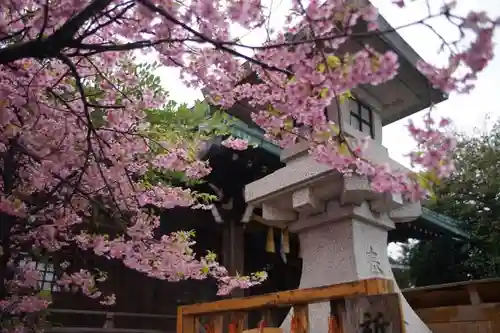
(45, 294)
(97, 118)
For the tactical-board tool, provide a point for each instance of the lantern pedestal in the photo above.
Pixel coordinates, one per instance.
(345, 244)
(341, 223)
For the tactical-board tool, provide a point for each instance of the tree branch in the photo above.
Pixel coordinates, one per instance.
(51, 46)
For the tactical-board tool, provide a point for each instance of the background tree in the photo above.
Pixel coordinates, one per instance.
(471, 196)
(402, 273)
(436, 261)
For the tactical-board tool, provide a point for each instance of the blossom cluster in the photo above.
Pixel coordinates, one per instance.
(20, 300)
(235, 143)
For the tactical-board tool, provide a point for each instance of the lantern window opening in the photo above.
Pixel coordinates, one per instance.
(47, 279)
(361, 118)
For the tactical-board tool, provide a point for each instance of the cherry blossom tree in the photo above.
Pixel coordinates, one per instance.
(165, 144)
(79, 143)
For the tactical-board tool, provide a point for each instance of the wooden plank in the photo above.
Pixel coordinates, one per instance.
(239, 320)
(109, 321)
(454, 285)
(495, 324)
(460, 313)
(265, 330)
(185, 323)
(310, 295)
(179, 326)
(466, 327)
(217, 322)
(301, 318)
(488, 291)
(233, 239)
(267, 316)
(376, 313)
(233, 245)
(100, 330)
(451, 328)
(337, 316)
(197, 325)
(474, 297)
(188, 324)
(438, 298)
(115, 314)
(484, 327)
(379, 286)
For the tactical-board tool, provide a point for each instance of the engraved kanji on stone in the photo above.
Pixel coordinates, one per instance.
(374, 262)
(374, 324)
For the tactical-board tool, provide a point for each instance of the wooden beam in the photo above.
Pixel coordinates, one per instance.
(454, 285)
(460, 313)
(115, 314)
(461, 293)
(375, 313)
(285, 298)
(101, 330)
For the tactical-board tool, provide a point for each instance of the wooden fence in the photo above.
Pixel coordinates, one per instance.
(85, 321)
(465, 307)
(355, 307)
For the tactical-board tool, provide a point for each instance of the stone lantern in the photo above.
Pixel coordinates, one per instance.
(341, 222)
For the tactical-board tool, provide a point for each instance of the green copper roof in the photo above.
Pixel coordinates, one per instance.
(256, 137)
(444, 222)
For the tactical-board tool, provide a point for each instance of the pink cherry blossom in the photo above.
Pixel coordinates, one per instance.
(235, 143)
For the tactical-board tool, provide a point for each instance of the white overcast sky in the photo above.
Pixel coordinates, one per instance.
(467, 111)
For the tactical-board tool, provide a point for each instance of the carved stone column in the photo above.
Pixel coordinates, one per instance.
(342, 226)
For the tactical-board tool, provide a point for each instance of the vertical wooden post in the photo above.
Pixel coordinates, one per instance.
(267, 316)
(377, 313)
(238, 319)
(474, 297)
(301, 318)
(109, 321)
(337, 316)
(233, 243)
(185, 323)
(495, 325)
(217, 322)
(233, 256)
